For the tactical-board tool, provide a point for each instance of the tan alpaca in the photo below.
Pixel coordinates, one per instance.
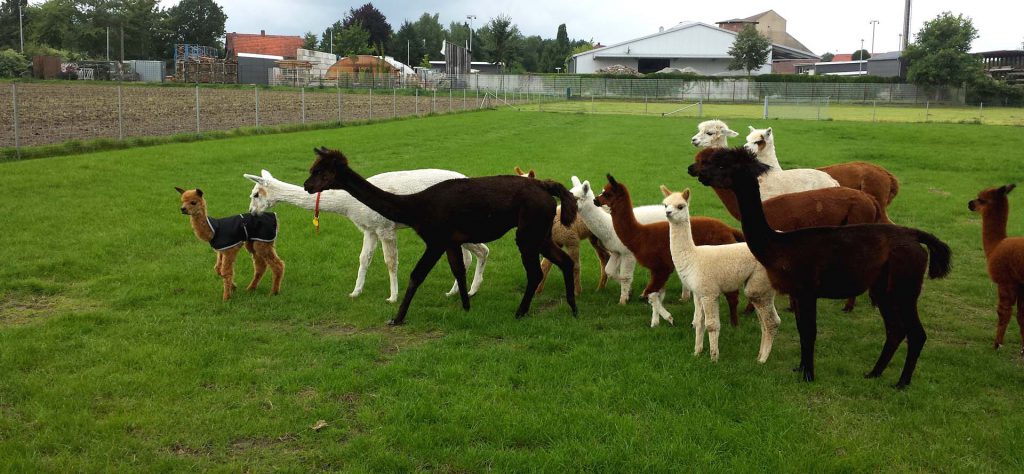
(1005, 257)
(262, 251)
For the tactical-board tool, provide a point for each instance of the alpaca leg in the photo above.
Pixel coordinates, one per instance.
(227, 270)
(1007, 297)
(573, 250)
(217, 264)
(467, 258)
(653, 300)
(389, 247)
(565, 263)
(602, 255)
(894, 335)
(430, 257)
(770, 321)
(916, 338)
(733, 298)
(627, 263)
(698, 328)
(259, 268)
(457, 263)
(1020, 317)
(545, 267)
(661, 308)
(851, 303)
(529, 258)
(365, 257)
(684, 295)
(480, 251)
(276, 267)
(655, 287)
(807, 323)
(709, 305)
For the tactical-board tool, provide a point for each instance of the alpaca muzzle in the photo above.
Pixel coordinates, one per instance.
(184, 211)
(692, 170)
(970, 205)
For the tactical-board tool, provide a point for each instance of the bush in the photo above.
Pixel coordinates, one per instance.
(996, 93)
(12, 64)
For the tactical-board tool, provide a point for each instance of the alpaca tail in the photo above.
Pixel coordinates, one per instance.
(894, 188)
(569, 208)
(938, 264)
(738, 235)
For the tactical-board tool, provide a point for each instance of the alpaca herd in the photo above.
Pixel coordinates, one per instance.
(806, 233)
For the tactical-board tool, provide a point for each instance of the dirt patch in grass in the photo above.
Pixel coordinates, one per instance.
(17, 310)
(395, 339)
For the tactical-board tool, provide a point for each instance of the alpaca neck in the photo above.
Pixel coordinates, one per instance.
(993, 226)
(624, 221)
(201, 225)
(598, 221)
(286, 192)
(767, 156)
(758, 234)
(680, 238)
(392, 206)
(720, 142)
(728, 199)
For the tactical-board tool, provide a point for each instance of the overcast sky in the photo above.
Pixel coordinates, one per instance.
(824, 27)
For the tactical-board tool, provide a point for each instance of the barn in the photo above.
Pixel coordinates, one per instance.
(690, 44)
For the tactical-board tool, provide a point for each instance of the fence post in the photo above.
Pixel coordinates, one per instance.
(926, 107)
(449, 99)
(371, 101)
(477, 97)
(417, 102)
(302, 97)
(874, 111)
(256, 89)
(645, 104)
(700, 109)
(14, 103)
(765, 114)
(120, 117)
(981, 110)
(433, 101)
(394, 102)
(463, 99)
(197, 109)
(340, 119)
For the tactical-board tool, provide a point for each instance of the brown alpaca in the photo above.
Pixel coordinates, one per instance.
(869, 178)
(816, 208)
(652, 248)
(835, 262)
(262, 251)
(1005, 257)
(568, 239)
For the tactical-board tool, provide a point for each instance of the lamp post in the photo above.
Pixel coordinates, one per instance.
(860, 62)
(21, 30)
(873, 23)
(471, 18)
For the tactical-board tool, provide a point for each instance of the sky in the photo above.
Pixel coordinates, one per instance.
(821, 26)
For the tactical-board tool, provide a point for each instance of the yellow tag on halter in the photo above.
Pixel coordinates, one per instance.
(316, 223)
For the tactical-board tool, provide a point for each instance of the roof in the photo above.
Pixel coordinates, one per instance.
(841, 57)
(886, 56)
(273, 45)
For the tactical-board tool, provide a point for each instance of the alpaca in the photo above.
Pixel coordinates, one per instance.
(1005, 257)
(867, 177)
(778, 181)
(816, 208)
(710, 270)
(650, 244)
(712, 134)
(453, 212)
(835, 262)
(568, 239)
(268, 191)
(227, 235)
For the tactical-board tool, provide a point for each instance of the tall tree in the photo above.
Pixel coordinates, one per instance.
(750, 50)
(373, 21)
(941, 53)
(533, 53)
(310, 41)
(197, 22)
(827, 57)
(9, 28)
(406, 45)
(861, 54)
(502, 41)
(348, 40)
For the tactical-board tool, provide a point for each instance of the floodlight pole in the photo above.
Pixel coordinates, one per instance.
(470, 18)
(860, 62)
(21, 29)
(873, 23)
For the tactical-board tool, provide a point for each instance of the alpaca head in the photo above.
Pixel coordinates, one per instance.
(325, 170)
(760, 139)
(192, 202)
(519, 171)
(581, 191)
(712, 133)
(991, 198)
(724, 167)
(613, 192)
(261, 198)
(677, 205)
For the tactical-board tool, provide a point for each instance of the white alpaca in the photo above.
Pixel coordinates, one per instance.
(621, 261)
(269, 191)
(712, 134)
(711, 270)
(778, 181)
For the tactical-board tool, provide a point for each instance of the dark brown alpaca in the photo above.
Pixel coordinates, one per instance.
(835, 262)
(451, 213)
(815, 208)
(1005, 257)
(227, 246)
(652, 248)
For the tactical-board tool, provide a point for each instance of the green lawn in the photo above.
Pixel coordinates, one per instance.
(116, 352)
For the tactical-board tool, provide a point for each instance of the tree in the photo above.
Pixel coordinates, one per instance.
(941, 55)
(196, 22)
(350, 40)
(12, 64)
(372, 21)
(827, 57)
(861, 54)
(9, 33)
(750, 50)
(501, 41)
(309, 41)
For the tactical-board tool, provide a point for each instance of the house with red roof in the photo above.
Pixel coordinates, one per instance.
(262, 44)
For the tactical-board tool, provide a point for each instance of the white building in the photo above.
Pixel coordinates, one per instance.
(692, 44)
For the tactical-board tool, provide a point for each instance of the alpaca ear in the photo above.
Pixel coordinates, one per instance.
(199, 192)
(611, 180)
(179, 190)
(686, 195)
(518, 171)
(531, 174)
(586, 187)
(1006, 189)
(575, 181)
(255, 179)
(266, 174)
(751, 127)
(768, 133)
(665, 191)
(730, 133)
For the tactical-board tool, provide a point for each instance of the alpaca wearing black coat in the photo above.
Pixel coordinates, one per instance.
(835, 262)
(470, 210)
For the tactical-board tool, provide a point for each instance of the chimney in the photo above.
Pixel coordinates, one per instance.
(263, 32)
(661, 29)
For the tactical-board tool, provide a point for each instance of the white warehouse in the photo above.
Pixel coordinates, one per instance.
(690, 44)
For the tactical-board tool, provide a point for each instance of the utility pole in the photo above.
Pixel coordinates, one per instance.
(471, 18)
(21, 29)
(873, 23)
(332, 39)
(906, 27)
(860, 63)
(108, 43)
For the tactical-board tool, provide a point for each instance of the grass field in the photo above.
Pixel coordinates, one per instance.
(117, 354)
(899, 113)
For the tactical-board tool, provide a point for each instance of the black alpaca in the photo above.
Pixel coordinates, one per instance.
(472, 210)
(835, 262)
